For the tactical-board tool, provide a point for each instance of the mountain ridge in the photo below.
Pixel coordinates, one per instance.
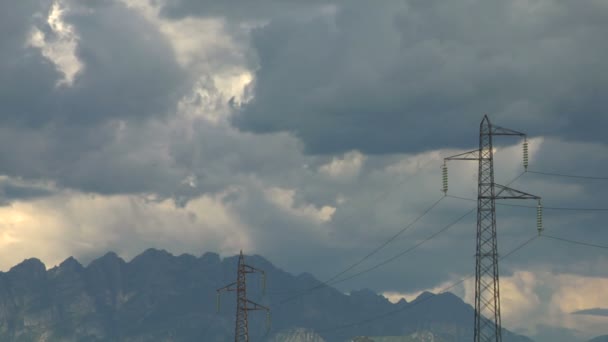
(161, 297)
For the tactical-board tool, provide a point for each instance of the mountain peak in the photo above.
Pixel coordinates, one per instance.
(210, 258)
(449, 297)
(259, 260)
(71, 264)
(110, 258)
(31, 265)
(152, 256)
(157, 295)
(154, 253)
(424, 296)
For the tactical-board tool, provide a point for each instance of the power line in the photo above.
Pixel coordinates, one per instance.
(567, 176)
(367, 256)
(487, 323)
(574, 242)
(390, 313)
(382, 263)
(392, 238)
(444, 290)
(387, 191)
(522, 245)
(516, 178)
(331, 280)
(531, 206)
(380, 196)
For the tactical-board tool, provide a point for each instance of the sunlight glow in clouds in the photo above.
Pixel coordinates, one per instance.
(197, 43)
(60, 50)
(285, 199)
(68, 223)
(346, 167)
(522, 307)
(202, 161)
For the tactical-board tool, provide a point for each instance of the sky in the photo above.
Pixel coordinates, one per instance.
(310, 133)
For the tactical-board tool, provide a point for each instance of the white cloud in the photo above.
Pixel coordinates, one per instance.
(285, 199)
(197, 42)
(412, 164)
(205, 48)
(61, 50)
(346, 167)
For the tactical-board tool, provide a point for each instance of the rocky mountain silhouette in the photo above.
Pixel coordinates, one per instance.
(161, 297)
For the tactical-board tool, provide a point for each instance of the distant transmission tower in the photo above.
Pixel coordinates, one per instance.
(487, 293)
(243, 305)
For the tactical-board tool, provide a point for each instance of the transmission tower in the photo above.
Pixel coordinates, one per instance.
(487, 292)
(243, 304)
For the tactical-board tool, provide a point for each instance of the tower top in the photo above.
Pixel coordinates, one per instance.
(485, 121)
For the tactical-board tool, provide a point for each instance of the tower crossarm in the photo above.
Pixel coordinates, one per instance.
(251, 269)
(230, 287)
(497, 130)
(470, 155)
(253, 306)
(504, 192)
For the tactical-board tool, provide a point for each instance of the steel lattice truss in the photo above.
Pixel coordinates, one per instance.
(487, 290)
(243, 305)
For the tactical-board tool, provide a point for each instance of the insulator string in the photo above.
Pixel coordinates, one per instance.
(539, 217)
(526, 154)
(444, 172)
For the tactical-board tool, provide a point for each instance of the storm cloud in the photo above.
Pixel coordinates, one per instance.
(386, 78)
(309, 133)
(54, 131)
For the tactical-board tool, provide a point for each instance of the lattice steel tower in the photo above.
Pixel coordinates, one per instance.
(243, 305)
(487, 291)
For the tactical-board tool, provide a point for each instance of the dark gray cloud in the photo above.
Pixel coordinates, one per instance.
(130, 69)
(236, 9)
(380, 77)
(411, 76)
(379, 204)
(14, 190)
(71, 134)
(27, 76)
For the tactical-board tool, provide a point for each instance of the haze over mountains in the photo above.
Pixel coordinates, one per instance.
(161, 297)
